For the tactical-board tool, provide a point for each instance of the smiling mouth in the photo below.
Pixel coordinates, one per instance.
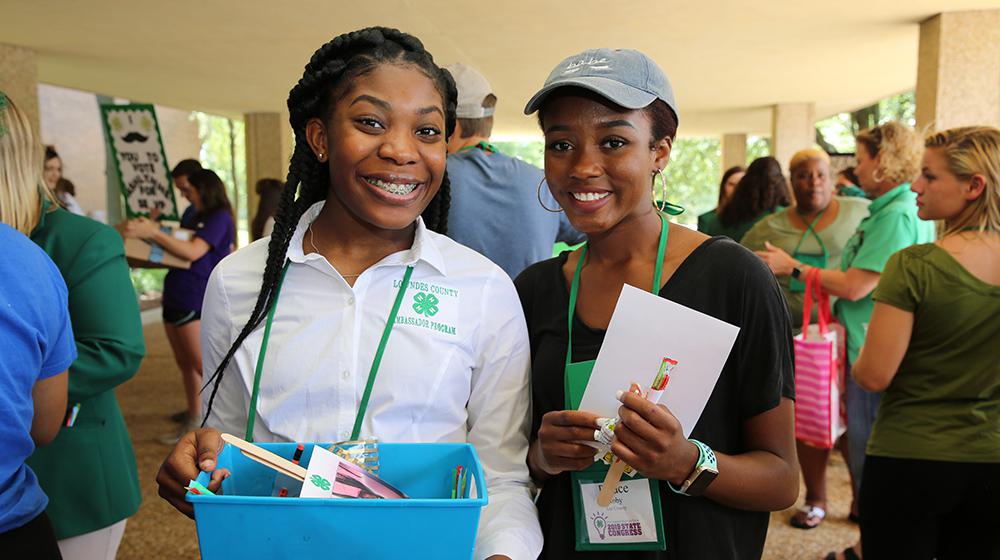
(589, 196)
(398, 188)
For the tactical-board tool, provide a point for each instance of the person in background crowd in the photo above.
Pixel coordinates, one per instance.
(36, 349)
(269, 193)
(181, 174)
(816, 230)
(888, 159)
(727, 185)
(64, 191)
(89, 470)
(930, 487)
(66, 195)
(371, 115)
(762, 191)
(36, 343)
(609, 131)
(847, 183)
(211, 217)
(495, 198)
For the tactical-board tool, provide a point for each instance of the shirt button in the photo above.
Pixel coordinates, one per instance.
(344, 434)
(350, 300)
(345, 374)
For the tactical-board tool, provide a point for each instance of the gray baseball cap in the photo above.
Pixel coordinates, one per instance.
(625, 77)
(473, 89)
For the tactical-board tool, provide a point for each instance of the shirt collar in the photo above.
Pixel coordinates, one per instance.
(424, 247)
(884, 200)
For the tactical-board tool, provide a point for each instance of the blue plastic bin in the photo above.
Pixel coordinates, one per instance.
(245, 521)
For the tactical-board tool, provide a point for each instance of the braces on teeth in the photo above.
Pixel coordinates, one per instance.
(394, 188)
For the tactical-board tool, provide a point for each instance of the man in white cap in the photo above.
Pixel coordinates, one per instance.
(496, 202)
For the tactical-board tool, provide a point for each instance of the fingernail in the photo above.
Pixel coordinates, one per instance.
(620, 396)
(207, 465)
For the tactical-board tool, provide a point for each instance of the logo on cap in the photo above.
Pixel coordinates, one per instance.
(592, 62)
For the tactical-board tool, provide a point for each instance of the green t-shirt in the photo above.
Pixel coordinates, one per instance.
(944, 402)
(851, 190)
(709, 224)
(779, 231)
(892, 225)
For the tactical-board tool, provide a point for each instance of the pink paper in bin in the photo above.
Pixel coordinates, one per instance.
(245, 521)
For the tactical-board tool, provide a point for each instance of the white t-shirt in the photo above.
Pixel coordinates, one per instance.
(455, 368)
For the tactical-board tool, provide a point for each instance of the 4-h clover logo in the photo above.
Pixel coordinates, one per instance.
(425, 304)
(600, 523)
(320, 482)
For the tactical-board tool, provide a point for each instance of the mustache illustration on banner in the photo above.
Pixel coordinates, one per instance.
(134, 137)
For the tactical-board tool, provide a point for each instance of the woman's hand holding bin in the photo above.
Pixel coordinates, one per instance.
(195, 452)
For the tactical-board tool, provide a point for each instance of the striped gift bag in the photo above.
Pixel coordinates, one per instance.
(819, 371)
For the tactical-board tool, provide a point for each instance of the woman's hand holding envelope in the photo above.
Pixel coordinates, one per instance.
(558, 446)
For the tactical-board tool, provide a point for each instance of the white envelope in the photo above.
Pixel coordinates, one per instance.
(646, 328)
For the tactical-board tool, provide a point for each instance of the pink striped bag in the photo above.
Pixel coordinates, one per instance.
(819, 371)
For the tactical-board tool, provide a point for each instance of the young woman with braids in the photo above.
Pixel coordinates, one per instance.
(354, 258)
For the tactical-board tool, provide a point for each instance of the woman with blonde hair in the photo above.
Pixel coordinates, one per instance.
(93, 445)
(933, 460)
(815, 230)
(36, 349)
(888, 159)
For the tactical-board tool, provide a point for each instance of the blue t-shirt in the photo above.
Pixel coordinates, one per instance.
(36, 342)
(495, 210)
(185, 289)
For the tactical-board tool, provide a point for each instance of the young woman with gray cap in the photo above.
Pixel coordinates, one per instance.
(609, 119)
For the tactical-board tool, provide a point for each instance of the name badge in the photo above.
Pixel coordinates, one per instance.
(632, 521)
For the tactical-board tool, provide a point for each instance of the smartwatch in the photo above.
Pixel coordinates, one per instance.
(797, 273)
(705, 471)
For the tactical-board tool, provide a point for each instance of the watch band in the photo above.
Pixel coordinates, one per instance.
(797, 273)
(704, 472)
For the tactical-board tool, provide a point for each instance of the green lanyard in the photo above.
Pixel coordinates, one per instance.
(574, 290)
(809, 229)
(376, 362)
(484, 146)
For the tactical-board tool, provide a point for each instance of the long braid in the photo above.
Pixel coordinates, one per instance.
(345, 56)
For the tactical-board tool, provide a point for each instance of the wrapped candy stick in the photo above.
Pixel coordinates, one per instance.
(614, 476)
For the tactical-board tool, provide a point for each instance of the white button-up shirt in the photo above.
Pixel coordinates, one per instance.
(455, 368)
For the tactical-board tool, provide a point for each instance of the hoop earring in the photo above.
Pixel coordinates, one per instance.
(877, 176)
(663, 206)
(539, 193)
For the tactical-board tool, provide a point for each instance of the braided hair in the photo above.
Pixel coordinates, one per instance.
(329, 71)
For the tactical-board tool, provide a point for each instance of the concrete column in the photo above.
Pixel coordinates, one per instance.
(793, 128)
(268, 149)
(734, 150)
(958, 70)
(19, 80)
